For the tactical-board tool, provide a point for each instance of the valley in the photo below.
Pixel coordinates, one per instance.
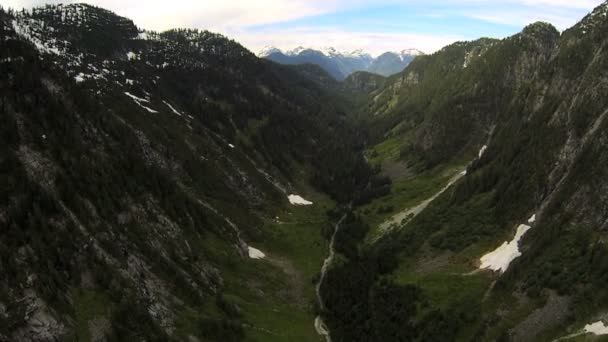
(172, 186)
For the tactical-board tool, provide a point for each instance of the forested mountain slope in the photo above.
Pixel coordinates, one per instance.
(137, 167)
(140, 170)
(537, 100)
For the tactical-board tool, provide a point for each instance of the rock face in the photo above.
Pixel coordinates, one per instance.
(364, 82)
(537, 100)
(136, 168)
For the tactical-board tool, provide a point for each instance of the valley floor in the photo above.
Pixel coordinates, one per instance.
(277, 293)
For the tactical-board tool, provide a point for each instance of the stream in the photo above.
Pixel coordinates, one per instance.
(408, 214)
(320, 326)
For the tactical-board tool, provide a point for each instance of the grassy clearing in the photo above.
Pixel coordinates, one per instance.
(285, 312)
(446, 284)
(448, 290)
(386, 151)
(268, 305)
(188, 320)
(88, 305)
(297, 235)
(276, 294)
(407, 193)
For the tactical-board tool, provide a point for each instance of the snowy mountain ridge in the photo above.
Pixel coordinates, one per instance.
(332, 51)
(341, 64)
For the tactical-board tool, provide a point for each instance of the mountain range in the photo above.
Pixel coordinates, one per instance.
(172, 186)
(342, 64)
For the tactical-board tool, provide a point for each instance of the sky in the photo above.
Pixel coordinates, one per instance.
(375, 26)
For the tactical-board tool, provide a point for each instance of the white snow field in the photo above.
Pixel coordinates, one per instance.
(298, 200)
(597, 328)
(501, 257)
(482, 150)
(255, 253)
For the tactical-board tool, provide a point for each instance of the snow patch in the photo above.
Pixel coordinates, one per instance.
(482, 150)
(255, 253)
(298, 200)
(597, 328)
(172, 109)
(11, 59)
(139, 100)
(143, 35)
(532, 219)
(26, 32)
(231, 146)
(501, 257)
(132, 55)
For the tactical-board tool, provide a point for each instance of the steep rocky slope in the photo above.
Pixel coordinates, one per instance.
(136, 169)
(537, 100)
(150, 188)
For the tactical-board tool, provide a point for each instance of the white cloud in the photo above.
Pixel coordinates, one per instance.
(236, 19)
(561, 13)
(580, 4)
(212, 14)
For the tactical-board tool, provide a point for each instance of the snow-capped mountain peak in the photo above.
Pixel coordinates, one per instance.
(268, 50)
(359, 53)
(296, 51)
(412, 52)
(340, 64)
(330, 51)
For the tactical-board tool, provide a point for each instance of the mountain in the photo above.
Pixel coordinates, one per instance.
(497, 232)
(138, 169)
(390, 63)
(364, 82)
(341, 64)
(172, 186)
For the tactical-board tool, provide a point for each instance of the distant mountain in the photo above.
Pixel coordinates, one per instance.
(390, 63)
(341, 64)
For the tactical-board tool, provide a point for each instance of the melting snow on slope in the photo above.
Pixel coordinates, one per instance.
(501, 257)
(27, 32)
(139, 100)
(532, 219)
(171, 107)
(483, 150)
(79, 78)
(298, 200)
(132, 55)
(255, 253)
(597, 328)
